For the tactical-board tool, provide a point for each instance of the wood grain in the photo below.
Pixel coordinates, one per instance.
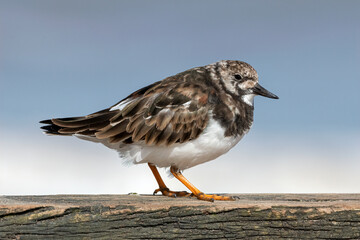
(251, 216)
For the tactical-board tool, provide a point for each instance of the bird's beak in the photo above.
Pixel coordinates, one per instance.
(259, 90)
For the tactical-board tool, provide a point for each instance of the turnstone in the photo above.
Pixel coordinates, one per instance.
(182, 121)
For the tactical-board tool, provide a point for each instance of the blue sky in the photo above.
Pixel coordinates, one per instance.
(70, 58)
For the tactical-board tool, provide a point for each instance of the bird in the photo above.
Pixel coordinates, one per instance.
(177, 123)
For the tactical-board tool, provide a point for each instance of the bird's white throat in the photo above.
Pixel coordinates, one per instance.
(248, 99)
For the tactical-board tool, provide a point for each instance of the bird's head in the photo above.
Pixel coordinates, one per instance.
(240, 79)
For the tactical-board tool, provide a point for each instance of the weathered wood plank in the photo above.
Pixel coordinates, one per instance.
(251, 216)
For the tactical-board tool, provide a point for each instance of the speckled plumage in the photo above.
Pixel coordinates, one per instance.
(163, 123)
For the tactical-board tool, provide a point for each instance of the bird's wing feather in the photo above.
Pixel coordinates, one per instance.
(160, 114)
(160, 117)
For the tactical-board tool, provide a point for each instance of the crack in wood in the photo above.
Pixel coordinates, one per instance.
(27, 211)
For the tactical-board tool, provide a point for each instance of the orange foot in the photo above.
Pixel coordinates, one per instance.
(195, 192)
(162, 187)
(211, 198)
(169, 193)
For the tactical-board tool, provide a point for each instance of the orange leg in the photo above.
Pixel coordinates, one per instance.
(163, 188)
(196, 192)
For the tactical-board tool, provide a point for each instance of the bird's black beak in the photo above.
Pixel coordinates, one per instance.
(259, 90)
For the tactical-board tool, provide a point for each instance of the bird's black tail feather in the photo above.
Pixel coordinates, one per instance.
(51, 128)
(87, 125)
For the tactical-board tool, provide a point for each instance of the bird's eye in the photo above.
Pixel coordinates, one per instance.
(237, 77)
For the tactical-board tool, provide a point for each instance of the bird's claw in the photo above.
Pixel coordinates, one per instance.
(174, 194)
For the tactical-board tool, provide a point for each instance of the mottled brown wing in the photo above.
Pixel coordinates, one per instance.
(160, 117)
(160, 114)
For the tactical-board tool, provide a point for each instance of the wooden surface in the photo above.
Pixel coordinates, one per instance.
(251, 216)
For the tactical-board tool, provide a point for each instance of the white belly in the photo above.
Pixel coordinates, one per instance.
(208, 146)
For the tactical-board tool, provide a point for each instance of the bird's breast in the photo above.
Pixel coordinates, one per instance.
(235, 117)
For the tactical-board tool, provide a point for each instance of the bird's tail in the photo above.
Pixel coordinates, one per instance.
(86, 125)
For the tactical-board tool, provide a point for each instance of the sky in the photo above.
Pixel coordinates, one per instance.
(71, 58)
